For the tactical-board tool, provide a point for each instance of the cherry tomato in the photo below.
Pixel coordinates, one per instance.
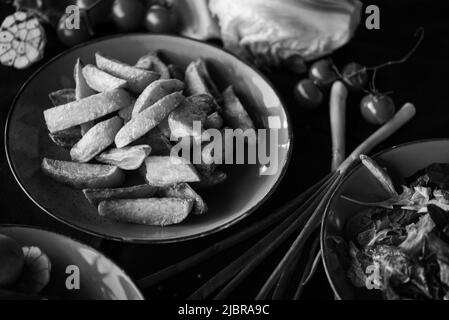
(128, 15)
(71, 36)
(355, 76)
(323, 73)
(308, 94)
(98, 13)
(160, 19)
(377, 108)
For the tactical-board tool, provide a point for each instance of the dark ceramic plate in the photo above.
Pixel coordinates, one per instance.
(402, 161)
(100, 278)
(27, 141)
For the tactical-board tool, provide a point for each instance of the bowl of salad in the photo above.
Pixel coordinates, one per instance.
(385, 234)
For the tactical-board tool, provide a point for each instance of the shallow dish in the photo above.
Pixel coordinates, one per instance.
(27, 140)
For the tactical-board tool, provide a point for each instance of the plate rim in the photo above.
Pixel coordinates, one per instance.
(212, 231)
(332, 199)
(66, 237)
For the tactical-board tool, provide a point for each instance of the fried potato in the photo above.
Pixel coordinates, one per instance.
(198, 80)
(234, 113)
(155, 92)
(100, 80)
(165, 128)
(194, 81)
(205, 169)
(184, 191)
(87, 109)
(203, 71)
(147, 119)
(210, 179)
(152, 212)
(95, 196)
(166, 170)
(160, 145)
(96, 140)
(176, 72)
(137, 78)
(128, 158)
(152, 62)
(214, 121)
(83, 175)
(126, 113)
(62, 96)
(66, 138)
(82, 90)
(194, 108)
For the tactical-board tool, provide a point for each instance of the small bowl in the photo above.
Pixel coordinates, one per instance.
(402, 161)
(100, 278)
(27, 140)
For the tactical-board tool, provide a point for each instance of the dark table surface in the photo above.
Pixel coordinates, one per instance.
(424, 80)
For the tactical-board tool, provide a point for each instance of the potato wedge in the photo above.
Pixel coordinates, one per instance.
(193, 108)
(214, 121)
(137, 79)
(95, 196)
(100, 80)
(155, 92)
(152, 212)
(128, 158)
(152, 62)
(234, 113)
(166, 170)
(160, 145)
(87, 109)
(66, 138)
(62, 96)
(126, 113)
(165, 128)
(82, 90)
(96, 140)
(200, 65)
(83, 175)
(194, 81)
(210, 179)
(147, 119)
(184, 191)
(176, 72)
(198, 80)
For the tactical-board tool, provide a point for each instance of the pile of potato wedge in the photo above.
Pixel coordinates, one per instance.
(122, 118)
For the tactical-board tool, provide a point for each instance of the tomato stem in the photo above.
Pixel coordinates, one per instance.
(418, 33)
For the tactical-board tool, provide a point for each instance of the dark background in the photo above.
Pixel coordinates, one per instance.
(423, 80)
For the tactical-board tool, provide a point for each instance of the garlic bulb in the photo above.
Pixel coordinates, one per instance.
(22, 40)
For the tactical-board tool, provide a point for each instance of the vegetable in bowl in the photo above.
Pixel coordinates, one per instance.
(400, 246)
